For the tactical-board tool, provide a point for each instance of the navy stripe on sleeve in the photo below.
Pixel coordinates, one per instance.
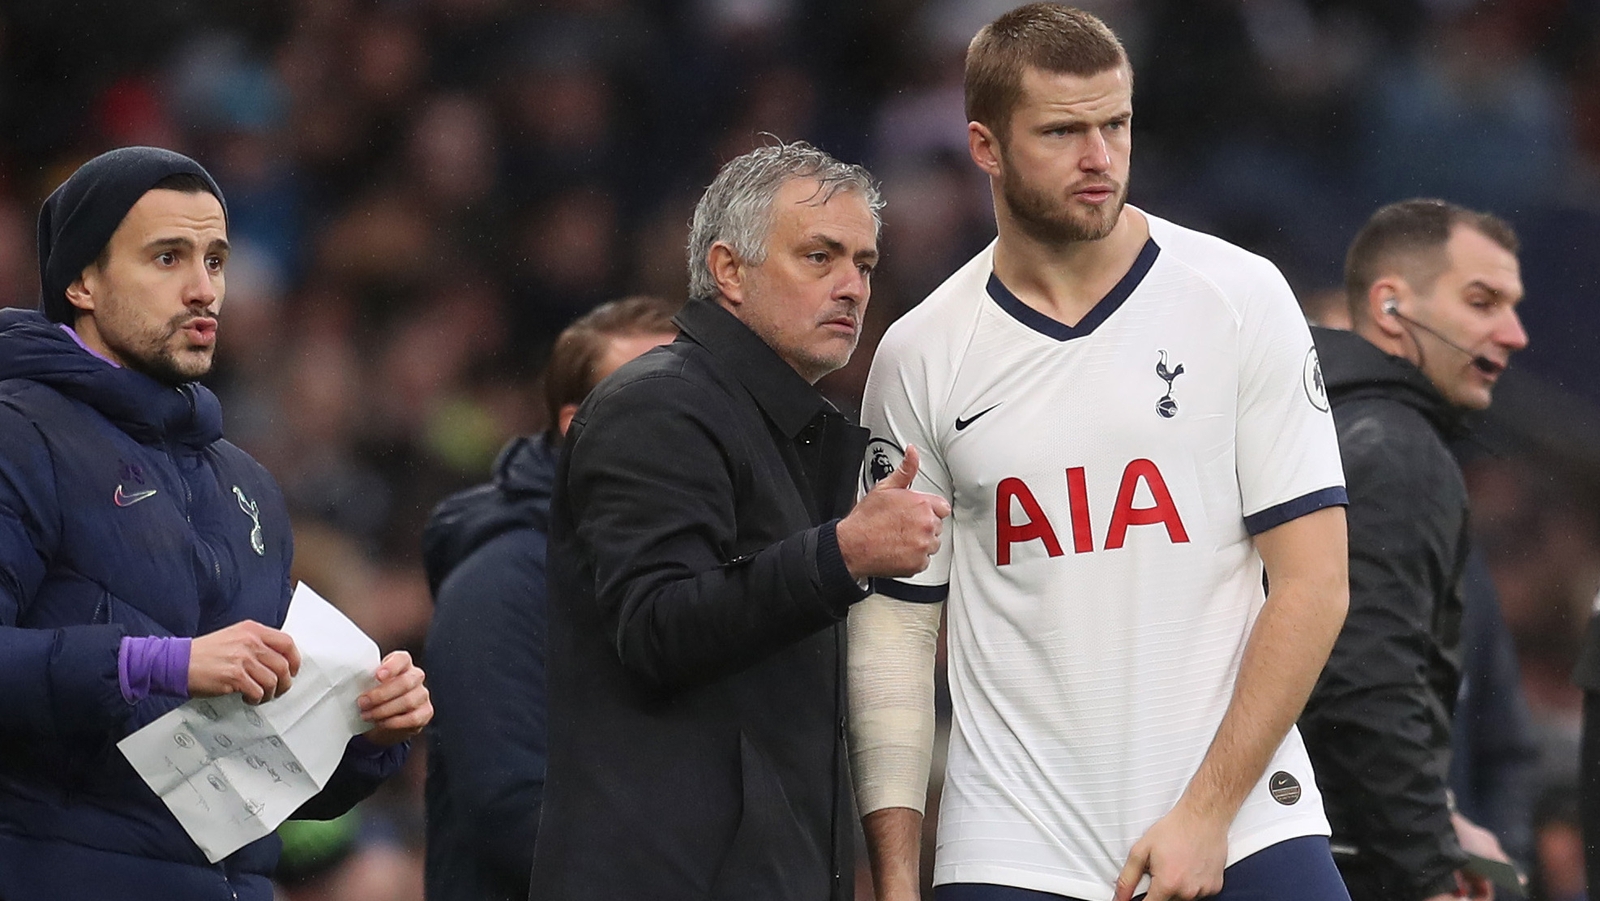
(1277, 515)
(916, 594)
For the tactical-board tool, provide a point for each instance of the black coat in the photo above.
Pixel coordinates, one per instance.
(484, 549)
(1377, 725)
(696, 651)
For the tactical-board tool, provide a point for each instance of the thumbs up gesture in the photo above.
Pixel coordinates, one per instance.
(893, 530)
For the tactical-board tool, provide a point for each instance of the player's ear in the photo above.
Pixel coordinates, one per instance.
(728, 271)
(82, 290)
(984, 148)
(1383, 298)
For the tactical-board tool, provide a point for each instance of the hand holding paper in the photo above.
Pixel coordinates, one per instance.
(230, 771)
(399, 707)
(256, 661)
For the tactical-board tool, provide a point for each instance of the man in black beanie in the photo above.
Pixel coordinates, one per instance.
(143, 559)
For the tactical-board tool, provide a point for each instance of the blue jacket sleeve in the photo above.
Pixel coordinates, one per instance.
(364, 767)
(486, 671)
(52, 681)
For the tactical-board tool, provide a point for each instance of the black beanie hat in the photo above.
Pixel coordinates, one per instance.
(78, 219)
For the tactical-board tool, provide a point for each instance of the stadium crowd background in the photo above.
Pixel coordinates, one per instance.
(422, 193)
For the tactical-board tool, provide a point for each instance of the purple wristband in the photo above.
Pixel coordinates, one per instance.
(148, 665)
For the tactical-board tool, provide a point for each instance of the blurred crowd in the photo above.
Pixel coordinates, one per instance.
(422, 193)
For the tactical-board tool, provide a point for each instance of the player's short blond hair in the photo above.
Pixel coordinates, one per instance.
(1045, 36)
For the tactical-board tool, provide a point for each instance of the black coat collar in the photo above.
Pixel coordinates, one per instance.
(1354, 367)
(788, 399)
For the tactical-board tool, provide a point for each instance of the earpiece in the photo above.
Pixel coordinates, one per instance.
(1391, 306)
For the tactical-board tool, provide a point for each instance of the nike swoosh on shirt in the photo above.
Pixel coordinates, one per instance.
(128, 500)
(963, 423)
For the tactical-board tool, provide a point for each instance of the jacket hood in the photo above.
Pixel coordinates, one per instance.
(1353, 368)
(518, 496)
(34, 349)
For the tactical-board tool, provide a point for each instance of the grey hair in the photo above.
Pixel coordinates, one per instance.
(737, 208)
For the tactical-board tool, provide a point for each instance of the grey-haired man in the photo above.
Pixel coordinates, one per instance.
(701, 568)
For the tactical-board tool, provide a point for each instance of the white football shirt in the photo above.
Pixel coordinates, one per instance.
(1105, 480)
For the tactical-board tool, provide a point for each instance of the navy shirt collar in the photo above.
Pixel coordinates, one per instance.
(1099, 313)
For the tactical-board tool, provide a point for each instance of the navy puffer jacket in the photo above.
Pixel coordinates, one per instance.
(122, 512)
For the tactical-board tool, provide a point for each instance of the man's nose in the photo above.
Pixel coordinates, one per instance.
(852, 284)
(1511, 334)
(201, 288)
(1096, 154)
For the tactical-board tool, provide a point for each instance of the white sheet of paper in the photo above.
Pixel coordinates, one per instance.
(230, 772)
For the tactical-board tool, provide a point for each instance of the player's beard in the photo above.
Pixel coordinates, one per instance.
(1048, 219)
(155, 350)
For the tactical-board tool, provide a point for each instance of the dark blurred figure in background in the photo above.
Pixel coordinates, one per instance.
(1560, 876)
(484, 550)
(1433, 291)
(1493, 752)
(1587, 675)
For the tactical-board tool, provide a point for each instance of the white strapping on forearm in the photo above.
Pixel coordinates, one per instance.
(891, 660)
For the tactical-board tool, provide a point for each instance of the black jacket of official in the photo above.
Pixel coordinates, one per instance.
(696, 649)
(1377, 725)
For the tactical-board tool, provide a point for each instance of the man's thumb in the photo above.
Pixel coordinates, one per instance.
(902, 477)
(1132, 871)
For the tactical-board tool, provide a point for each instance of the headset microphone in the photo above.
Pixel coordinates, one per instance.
(1482, 363)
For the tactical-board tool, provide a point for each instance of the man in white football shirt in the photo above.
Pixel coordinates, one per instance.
(1129, 423)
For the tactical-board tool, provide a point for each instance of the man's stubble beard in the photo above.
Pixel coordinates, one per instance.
(818, 364)
(1050, 221)
(812, 366)
(152, 353)
(165, 367)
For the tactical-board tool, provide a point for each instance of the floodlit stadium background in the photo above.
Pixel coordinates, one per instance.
(423, 192)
